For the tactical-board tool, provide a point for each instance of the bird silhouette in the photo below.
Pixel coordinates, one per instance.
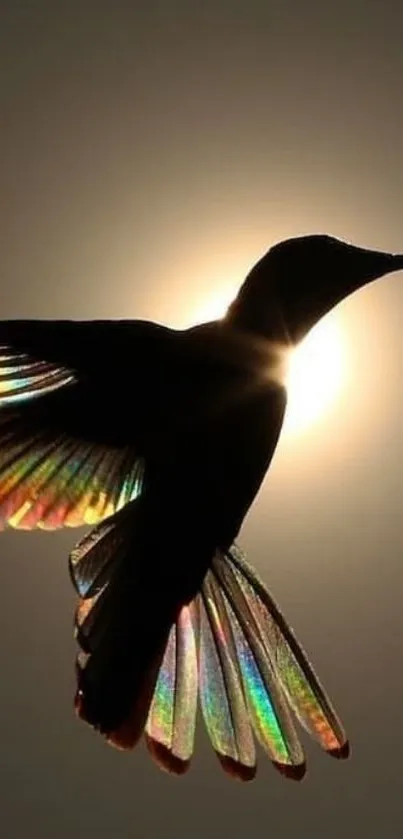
(160, 439)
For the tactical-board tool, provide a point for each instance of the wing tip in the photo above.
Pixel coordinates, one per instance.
(341, 752)
(295, 772)
(164, 758)
(234, 769)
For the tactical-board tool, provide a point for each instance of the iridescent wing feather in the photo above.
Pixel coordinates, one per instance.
(64, 460)
(48, 480)
(22, 377)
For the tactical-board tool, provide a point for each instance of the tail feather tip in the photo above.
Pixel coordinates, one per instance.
(295, 772)
(342, 752)
(164, 758)
(234, 769)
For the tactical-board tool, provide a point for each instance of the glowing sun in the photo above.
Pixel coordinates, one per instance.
(316, 374)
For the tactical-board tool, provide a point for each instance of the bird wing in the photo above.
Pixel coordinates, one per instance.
(77, 400)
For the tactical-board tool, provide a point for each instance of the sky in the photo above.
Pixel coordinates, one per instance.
(149, 154)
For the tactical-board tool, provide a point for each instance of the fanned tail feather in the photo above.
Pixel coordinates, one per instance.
(171, 720)
(142, 668)
(298, 680)
(254, 678)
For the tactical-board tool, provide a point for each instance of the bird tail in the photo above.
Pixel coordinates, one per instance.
(144, 665)
(122, 625)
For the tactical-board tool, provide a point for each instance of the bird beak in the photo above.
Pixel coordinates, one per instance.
(356, 268)
(397, 259)
(371, 265)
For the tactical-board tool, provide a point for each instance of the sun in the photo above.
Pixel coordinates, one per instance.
(316, 375)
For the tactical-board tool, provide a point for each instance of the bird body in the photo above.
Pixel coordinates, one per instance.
(161, 439)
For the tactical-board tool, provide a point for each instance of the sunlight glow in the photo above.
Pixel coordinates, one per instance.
(316, 375)
(216, 304)
(316, 369)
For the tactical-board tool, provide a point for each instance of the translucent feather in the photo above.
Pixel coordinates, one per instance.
(55, 481)
(253, 675)
(96, 556)
(267, 708)
(22, 377)
(221, 693)
(171, 721)
(293, 670)
(49, 479)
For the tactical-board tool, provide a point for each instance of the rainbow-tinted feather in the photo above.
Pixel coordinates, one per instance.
(63, 484)
(171, 721)
(299, 682)
(221, 695)
(50, 480)
(266, 704)
(253, 676)
(22, 377)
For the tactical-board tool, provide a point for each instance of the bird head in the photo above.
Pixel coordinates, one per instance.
(299, 280)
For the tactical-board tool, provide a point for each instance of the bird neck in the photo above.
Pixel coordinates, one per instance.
(257, 311)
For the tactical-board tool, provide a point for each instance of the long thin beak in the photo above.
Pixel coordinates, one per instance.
(360, 267)
(397, 261)
(371, 265)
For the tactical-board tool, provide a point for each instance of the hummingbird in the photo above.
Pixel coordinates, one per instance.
(158, 440)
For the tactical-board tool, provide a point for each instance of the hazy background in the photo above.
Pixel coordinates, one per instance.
(150, 152)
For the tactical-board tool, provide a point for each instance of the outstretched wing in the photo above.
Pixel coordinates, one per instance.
(77, 400)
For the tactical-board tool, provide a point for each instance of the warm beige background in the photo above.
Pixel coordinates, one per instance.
(150, 152)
